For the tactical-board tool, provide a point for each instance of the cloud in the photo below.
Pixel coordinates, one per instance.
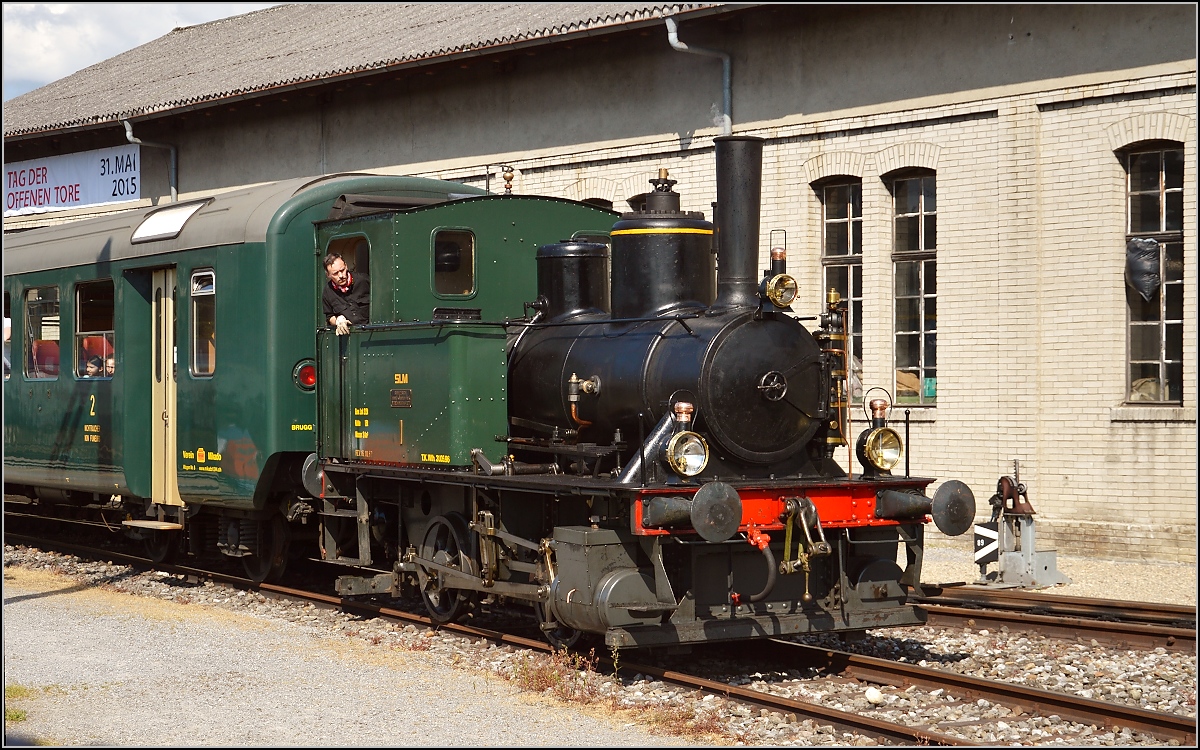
(44, 42)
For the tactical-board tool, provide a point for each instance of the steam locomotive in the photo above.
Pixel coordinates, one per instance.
(646, 453)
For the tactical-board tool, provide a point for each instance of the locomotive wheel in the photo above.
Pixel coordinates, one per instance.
(560, 636)
(162, 546)
(447, 543)
(268, 564)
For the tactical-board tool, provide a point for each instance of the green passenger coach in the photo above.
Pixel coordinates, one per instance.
(197, 426)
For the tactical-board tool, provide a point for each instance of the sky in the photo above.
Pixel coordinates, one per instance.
(44, 42)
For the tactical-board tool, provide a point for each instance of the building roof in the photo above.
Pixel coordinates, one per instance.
(288, 46)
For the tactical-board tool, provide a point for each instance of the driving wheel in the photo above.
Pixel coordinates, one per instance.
(269, 560)
(447, 543)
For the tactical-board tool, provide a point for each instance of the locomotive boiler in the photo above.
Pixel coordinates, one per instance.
(663, 469)
(681, 332)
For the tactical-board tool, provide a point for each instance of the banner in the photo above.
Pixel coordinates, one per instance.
(90, 178)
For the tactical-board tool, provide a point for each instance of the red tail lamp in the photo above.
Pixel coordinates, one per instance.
(305, 375)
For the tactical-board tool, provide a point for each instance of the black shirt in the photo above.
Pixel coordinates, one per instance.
(355, 303)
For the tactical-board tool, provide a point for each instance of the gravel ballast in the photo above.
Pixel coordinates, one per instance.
(113, 669)
(234, 668)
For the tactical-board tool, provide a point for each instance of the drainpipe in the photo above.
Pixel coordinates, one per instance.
(726, 72)
(171, 167)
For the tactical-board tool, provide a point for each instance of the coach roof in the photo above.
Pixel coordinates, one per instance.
(290, 46)
(232, 218)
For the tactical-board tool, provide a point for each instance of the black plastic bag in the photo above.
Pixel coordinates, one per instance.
(1141, 267)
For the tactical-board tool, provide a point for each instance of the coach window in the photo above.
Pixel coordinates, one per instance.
(1154, 272)
(453, 262)
(93, 328)
(204, 323)
(7, 336)
(841, 205)
(914, 261)
(41, 333)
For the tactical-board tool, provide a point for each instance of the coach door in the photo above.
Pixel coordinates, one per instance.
(164, 458)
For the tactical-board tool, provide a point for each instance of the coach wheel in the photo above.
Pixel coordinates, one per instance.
(560, 636)
(268, 562)
(446, 543)
(162, 546)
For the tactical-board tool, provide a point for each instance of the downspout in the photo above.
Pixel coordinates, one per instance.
(726, 72)
(171, 166)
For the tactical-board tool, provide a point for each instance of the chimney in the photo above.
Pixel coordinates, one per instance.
(739, 197)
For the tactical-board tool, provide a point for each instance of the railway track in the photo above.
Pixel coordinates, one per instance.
(833, 663)
(1023, 699)
(882, 731)
(1117, 623)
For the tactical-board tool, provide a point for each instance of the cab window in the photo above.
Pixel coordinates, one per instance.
(453, 262)
(41, 333)
(355, 252)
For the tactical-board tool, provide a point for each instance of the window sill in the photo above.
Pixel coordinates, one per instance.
(1128, 413)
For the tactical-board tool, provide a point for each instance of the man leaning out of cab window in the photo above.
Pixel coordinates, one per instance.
(346, 298)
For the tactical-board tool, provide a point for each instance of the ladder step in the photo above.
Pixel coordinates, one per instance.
(351, 561)
(156, 525)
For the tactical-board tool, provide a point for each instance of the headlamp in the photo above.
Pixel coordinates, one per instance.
(883, 448)
(782, 290)
(687, 453)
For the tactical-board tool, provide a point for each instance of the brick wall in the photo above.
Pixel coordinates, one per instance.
(1031, 303)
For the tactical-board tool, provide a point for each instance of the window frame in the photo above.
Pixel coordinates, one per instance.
(28, 357)
(1168, 239)
(108, 334)
(193, 329)
(925, 258)
(8, 341)
(433, 272)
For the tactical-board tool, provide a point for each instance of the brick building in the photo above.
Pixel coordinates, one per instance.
(972, 177)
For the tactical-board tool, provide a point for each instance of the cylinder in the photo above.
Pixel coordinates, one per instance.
(739, 197)
(573, 277)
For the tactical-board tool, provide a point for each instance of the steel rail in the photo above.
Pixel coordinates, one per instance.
(1165, 726)
(1155, 613)
(878, 728)
(1121, 634)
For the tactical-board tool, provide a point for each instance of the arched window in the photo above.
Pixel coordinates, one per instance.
(1154, 271)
